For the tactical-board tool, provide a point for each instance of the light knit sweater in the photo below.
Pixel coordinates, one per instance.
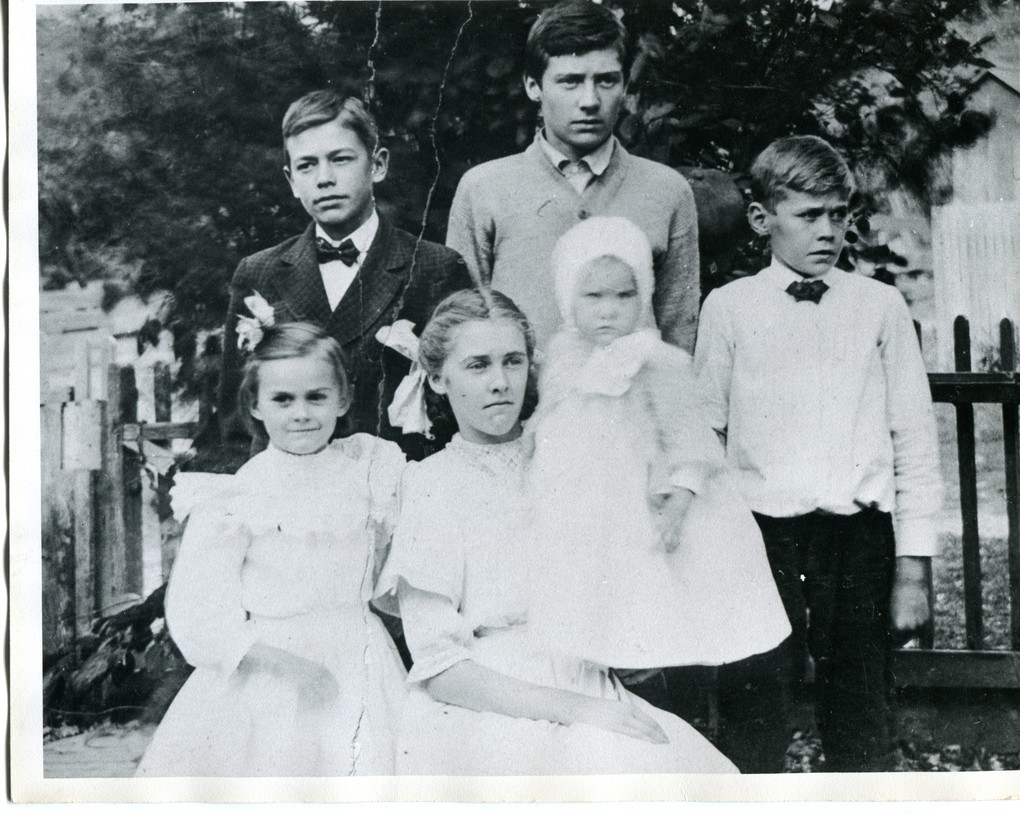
(508, 214)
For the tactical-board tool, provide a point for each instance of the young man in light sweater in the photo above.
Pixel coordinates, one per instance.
(508, 214)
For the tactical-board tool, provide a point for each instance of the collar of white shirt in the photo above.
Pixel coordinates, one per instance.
(337, 277)
(361, 237)
(781, 275)
(597, 160)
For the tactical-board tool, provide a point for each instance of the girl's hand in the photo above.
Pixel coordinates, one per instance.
(669, 516)
(314, 684)
(620, 716)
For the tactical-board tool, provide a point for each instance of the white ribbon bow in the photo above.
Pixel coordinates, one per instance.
(407, 410)
(251, 329)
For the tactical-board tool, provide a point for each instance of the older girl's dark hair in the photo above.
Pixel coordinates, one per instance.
(290, 341)
(573, 27)
(469, 305)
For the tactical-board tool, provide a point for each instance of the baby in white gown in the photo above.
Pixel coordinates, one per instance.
(651, 559)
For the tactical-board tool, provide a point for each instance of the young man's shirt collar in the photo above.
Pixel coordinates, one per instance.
(361, 237)
(597, 160)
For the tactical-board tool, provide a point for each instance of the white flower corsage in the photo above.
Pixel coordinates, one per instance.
(407, 410)
(251, 329)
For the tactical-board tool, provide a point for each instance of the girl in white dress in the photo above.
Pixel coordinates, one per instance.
(652, 559)
(268, 598)
(486, 698)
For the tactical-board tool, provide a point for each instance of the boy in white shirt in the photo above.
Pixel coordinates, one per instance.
(813, 377)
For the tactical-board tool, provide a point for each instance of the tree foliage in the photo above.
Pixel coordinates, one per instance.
(159, 147)
(886, 82)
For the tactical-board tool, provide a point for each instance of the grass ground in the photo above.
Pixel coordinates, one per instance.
(950, 626)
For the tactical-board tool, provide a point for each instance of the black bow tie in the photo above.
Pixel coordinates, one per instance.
(347, 253)
(807, 290)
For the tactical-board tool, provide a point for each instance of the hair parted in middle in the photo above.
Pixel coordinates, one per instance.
(804, 164)
(465, 306)
(323, 106)
(574, 27)
(290, 341)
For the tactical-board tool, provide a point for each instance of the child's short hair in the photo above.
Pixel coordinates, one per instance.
(465, 306)
(319, 107)
(289, 341)
(573, 27)
(805, 164)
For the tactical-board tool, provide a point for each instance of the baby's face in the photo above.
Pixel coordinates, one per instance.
(607, 304)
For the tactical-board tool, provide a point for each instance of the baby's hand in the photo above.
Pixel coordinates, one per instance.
(908, 605)
(669, 516)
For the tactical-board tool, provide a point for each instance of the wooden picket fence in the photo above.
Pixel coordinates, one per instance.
(976, 667)
(92, 505)
(92, 476)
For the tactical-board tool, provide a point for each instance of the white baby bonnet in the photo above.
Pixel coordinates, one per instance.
(598, 237)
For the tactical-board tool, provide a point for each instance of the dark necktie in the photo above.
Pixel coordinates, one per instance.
(347, 253)
(807, 290)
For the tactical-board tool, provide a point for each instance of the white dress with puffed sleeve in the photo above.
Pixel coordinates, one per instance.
(463, 563)
(285, 553)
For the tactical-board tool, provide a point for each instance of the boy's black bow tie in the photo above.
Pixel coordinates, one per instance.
(346, 252)
(807, 290)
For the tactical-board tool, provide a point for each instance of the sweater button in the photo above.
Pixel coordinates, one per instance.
(583, 214)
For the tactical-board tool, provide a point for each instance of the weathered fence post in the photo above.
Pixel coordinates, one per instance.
(118, 556)
(58, 611)
(1011, 443)
(82, 449)
(163, 401)
(131, 480)
(968, 495)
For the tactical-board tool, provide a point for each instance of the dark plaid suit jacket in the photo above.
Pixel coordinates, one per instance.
(402, 278)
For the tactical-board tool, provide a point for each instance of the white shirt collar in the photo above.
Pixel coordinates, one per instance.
(361, 237)
(597, 160)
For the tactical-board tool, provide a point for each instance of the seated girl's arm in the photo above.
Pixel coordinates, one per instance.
(440, 641)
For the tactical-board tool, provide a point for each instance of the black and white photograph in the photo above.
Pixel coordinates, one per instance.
(515, 400)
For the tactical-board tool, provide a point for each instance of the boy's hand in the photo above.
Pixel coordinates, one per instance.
(908, 605)
(669, 516)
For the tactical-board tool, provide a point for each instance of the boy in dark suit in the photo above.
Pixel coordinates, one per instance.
(350, 271)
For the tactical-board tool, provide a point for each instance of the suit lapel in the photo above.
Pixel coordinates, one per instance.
(302, 288)
(379, 281)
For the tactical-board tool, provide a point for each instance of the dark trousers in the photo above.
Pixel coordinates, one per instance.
(834, 574)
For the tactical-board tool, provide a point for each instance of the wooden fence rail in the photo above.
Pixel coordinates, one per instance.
(92, 504)
(976, 667)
